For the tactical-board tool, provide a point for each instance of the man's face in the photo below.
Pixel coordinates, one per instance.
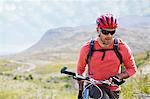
(106, 35)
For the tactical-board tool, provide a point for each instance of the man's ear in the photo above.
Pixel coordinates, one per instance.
(99, 35)
(97, 29)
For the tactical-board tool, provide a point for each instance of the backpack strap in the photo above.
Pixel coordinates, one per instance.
(116, 49)
(90, 51)
(90, 55)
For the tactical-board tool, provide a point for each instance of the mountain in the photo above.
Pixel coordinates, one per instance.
(64, 43)
(135, 21)
(56, 39)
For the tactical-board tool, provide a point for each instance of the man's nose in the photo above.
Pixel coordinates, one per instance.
(109, 35)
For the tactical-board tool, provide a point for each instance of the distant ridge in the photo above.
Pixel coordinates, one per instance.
(65, 42)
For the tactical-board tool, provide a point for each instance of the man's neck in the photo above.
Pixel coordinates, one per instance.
(103, 45)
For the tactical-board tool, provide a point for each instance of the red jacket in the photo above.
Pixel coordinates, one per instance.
(110, 66)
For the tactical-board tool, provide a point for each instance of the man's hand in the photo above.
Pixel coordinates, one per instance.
(80, 94)
(116, 80)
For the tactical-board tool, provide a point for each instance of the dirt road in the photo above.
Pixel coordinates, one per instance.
(26, 67)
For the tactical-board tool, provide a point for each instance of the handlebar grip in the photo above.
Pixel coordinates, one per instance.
(63, 70)
(70, 73)
(122, 81)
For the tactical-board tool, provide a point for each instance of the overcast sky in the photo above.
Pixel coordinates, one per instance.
(23, 22)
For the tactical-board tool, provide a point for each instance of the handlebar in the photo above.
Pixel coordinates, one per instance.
(90, 82)
(87, 79)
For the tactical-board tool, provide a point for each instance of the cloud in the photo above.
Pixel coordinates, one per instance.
(28, 20)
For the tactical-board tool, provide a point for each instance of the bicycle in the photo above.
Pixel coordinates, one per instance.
(90, 82)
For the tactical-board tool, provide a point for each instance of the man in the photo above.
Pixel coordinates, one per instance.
(105, 64)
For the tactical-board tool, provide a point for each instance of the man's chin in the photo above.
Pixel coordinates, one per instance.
(107, 42)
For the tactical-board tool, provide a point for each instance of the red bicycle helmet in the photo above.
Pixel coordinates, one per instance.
(107, 21)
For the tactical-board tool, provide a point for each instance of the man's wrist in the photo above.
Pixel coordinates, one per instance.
(122, 75)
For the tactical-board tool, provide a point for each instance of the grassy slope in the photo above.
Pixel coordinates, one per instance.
(139, 85)
(136, 87)
(7, 66)
(48, 83)
(44, 85)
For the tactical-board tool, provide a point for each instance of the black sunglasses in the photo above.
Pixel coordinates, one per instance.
(105, 32)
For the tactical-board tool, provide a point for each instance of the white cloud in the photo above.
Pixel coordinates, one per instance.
(9, 7)
(29, 19)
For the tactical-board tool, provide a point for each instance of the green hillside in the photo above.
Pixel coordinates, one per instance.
(46, 82)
